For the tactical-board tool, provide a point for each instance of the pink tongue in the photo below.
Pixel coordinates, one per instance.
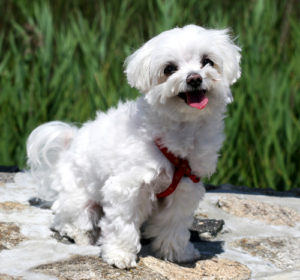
(197, 100)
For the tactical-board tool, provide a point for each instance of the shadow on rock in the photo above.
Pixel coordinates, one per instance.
(207, 249)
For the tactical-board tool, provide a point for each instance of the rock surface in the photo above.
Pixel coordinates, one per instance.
(91, 267)
(215, 268)
(79, 267)
(8, 277)
(241, 234)
(284, 252)
(273, 214)
(10, 236)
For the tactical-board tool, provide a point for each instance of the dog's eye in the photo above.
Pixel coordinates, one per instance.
(170, 69)
(207, 61)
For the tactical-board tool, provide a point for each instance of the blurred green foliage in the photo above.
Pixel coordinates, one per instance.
(64, 60)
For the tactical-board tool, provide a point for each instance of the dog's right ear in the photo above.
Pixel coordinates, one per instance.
(137, 68)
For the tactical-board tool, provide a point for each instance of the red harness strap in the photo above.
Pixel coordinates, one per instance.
(182, 168)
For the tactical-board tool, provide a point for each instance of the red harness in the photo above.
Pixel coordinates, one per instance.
(182, 168)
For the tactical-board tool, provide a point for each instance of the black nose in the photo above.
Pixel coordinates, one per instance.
(194, 80)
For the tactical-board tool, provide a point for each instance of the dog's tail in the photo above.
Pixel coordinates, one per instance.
(45, 145)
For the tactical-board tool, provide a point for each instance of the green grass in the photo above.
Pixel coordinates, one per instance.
(64, 60)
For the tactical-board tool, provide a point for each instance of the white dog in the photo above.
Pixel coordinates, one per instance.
(140, 163)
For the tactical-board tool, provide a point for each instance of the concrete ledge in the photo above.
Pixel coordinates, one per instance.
(241, 234)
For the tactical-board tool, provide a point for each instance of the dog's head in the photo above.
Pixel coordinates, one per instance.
(186, 72)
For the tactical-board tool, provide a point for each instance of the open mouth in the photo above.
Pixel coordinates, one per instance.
(196, 99)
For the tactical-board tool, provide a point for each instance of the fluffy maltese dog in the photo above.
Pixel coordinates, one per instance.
(141, 162)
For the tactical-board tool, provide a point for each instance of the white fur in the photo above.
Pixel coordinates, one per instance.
(105, 175)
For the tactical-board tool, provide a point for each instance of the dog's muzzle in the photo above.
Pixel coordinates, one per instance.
(195, 97)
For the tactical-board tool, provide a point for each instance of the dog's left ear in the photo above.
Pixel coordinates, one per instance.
(137, 68)
(231, 55)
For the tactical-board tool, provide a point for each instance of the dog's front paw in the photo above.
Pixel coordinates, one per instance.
(174, 253)
(190, 254)
(120, 259)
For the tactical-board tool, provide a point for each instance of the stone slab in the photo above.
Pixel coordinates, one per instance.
(241, 234)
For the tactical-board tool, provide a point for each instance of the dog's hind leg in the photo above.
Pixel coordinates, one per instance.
(77, 219)
(77, 214)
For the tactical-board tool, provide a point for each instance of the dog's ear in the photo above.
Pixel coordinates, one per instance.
(137, 68)
(231, 56)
